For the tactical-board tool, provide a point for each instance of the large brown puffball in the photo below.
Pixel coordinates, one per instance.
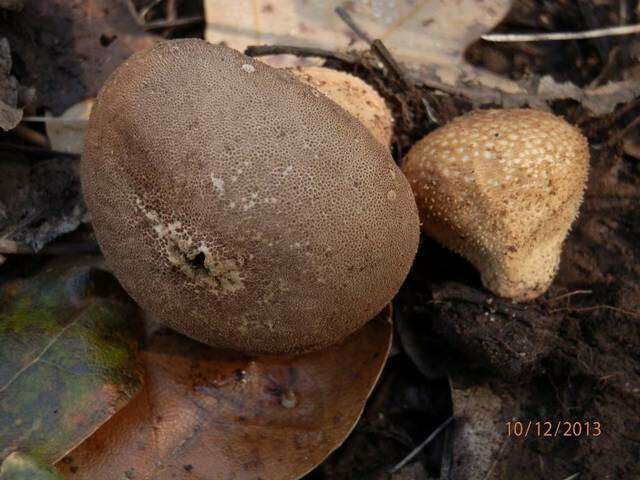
(502, 187)
(240, 206)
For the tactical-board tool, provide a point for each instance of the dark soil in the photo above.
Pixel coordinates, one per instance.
(578, 61)
(572, 355)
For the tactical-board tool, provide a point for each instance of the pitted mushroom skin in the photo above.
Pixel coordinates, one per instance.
(354, 95)
(240, 206)
(502, 188)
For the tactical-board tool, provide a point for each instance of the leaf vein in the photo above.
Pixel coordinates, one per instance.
(38, 357)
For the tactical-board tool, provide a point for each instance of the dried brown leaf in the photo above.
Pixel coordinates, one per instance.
(428, 37)
(39, 201)
(427, 32)
(66, 132)
(10, 116)
(205, 413)
(479, 432)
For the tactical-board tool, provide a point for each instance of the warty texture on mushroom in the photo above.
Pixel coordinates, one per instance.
(354, 95)
(502, 188)
(240, 206)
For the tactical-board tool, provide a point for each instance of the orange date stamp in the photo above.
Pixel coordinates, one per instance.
(555, 428)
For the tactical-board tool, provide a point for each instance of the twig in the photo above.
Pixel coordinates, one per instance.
(497, 457)
(262, 50)
(11, 247)
(609, 67)
(569, 294)
(178, 22)
(431, 115)
(623, 12)
(543, 37)
(631, 313)
(145, 10)
(602, 44)
(621, 134)
(346, 18)
(139, 18)
(420, 447)
(625, 109)
(133, 11)
(31, 136)
(573, 477)
(171, 10)
(35, 151)
(385, 56)
(376, 46)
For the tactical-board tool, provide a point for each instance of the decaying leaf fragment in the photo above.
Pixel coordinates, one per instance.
(39, 200)
(18, 466)
(206, 413)
(428, 32)
(66, 132)
(10, 116)
(68, 358)
(428, 37)
(479, 432)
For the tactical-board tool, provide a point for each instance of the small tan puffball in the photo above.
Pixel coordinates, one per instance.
(502, 187)
(354, 95)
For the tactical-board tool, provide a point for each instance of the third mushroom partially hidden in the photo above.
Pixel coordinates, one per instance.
(502, 187)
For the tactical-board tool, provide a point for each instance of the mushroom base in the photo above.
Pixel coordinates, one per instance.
(525, 274)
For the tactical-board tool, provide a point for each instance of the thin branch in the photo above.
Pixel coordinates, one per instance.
(570, 294)
(346, 18)
(573, 477)
(543, 37)
(35, 151)
(497, 457)
(262, 50)
(142, 14)
(593, 308)
(32, 136)
(11, 247)
(621, 134)
(178, 22)
(385, 56)
(420, 447)
(377, 47)
(139, 18)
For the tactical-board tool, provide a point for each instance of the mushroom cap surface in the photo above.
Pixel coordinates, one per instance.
(240, 206)
(502, 187)
(354, 95)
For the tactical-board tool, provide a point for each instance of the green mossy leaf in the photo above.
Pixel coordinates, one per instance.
(68, 358)
(18, 466)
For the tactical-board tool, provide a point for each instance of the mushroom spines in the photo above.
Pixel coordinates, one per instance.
(500, 187)
(240, 206)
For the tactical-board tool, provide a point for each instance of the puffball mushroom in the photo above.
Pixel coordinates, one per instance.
(240, 206)
(502, 187)
(354, 95)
